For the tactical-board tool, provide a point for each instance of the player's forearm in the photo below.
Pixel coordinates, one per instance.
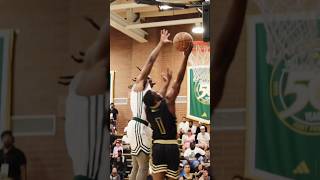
(98, 50)
(155, 53)
(228, 39)
(149, 64)
(225, 49)
(182, 70)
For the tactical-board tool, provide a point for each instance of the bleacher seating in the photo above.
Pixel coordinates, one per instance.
(129, 159)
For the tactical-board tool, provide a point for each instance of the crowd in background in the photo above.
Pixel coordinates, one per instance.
(195, 154)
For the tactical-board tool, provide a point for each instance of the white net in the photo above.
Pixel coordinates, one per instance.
(292, 28)
(200, 57)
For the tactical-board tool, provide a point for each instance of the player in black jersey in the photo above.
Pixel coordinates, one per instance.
(160, 111)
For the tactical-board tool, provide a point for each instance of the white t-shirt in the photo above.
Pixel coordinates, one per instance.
(190, 154)
(184, 126)
(203, 138)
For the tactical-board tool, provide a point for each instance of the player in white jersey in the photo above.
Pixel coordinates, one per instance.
(139, 131)
(86, 137)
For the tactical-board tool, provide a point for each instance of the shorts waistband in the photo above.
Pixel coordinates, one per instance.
(140, 120)
(164, 141)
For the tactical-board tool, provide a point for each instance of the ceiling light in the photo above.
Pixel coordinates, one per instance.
(198, 29)
(164, 7)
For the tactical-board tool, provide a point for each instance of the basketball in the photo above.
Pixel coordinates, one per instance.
(182, 40)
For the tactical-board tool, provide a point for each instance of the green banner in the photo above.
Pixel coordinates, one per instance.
(199, 93)
(284, 113)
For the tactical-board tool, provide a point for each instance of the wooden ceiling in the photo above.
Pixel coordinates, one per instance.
(132, 19)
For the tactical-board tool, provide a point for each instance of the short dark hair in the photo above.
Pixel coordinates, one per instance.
(148, 99)
(5, 133)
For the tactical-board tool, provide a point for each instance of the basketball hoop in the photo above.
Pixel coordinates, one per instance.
(292, 27)
(200, 57)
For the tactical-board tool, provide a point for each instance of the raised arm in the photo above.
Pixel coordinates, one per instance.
(146, 69)
(225, 48)
(175, 88)
(166, 77)
(93, 79)
(98, 50)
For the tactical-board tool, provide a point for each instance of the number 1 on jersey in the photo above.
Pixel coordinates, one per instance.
(160, 125)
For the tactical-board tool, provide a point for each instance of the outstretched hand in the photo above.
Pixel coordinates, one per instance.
(166, 76)
(164, 36)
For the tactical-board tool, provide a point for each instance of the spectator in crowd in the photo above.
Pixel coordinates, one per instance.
(198, 129)
(192, 127)
(114, 174)
(113, 137)
(186, 173)
(199, 170)
(203, 139)
(113, 112)
(13, 161)
(183, 127)
(194, 156)
(205, 175)
(187, 139)
(125, 140)
(117, 148)
(120, 163)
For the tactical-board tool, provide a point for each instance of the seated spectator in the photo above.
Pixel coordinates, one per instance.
(199, 171)
(192, 127)
(186, 173)
(205, 175)
(198, 128)
(194, 156)
(125, 141)
(203, 139)
(117, 148)
(183, 127)
(120, 163)
(187, 139)
(114, 174)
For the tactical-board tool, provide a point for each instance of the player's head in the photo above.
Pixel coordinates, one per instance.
(111, 105)
(151, 98)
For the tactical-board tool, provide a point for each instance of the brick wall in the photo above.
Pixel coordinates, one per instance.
(49, 31)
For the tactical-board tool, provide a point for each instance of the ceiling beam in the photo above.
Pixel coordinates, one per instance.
(127, 6)
(164, 23)
(169, 13)
(120, 24)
